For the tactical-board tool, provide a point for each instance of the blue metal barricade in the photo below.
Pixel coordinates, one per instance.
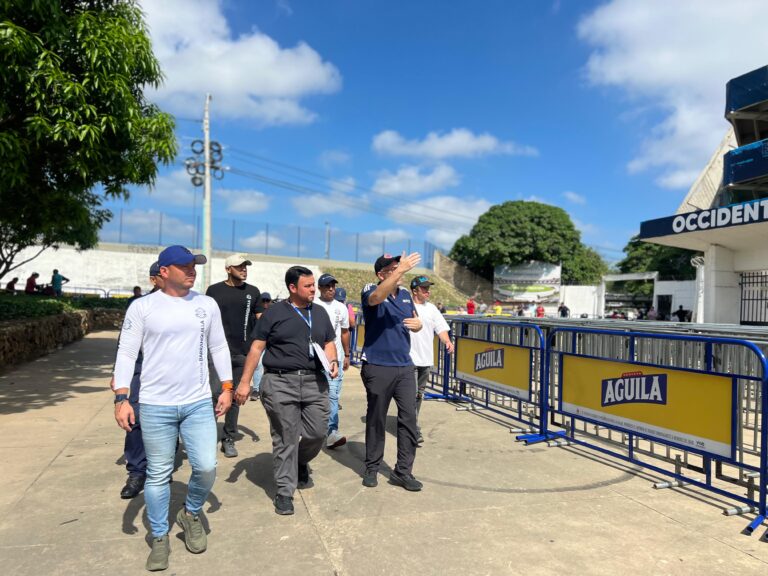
(681, 405)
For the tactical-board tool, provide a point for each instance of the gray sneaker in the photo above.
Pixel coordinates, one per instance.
(228, 447)
(194, 533)
(158, 557)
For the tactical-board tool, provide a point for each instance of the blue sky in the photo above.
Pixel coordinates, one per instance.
(408, 119)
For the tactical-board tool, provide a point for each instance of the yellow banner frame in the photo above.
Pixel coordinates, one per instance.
(504, 368)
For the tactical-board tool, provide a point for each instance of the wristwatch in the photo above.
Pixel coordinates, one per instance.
(120, 398)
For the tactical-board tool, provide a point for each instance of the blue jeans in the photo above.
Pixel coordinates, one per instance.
(257, 375)
(334, 393)
(160, 428)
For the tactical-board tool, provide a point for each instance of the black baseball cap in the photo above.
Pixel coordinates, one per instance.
(383, 261)
(266, 297)
(326, 279)
(421, 281)
(154, 270)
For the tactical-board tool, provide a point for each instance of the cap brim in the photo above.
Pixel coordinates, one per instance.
(199, 259)
(246, 262)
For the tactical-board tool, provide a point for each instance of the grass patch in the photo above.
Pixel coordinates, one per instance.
(22, 306)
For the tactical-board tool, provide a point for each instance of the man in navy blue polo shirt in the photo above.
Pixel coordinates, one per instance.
(387, 372)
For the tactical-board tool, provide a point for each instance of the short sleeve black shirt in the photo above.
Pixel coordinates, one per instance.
(286, 332)
(239, 306)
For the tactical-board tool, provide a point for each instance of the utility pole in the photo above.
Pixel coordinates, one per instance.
(205, 163)
(327, 240)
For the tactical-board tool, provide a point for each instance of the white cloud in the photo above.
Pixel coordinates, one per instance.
(149, 227)
(377, 242)
(585, 227)
(539, 199)
(455, 216)
(574, 198)
(174, 188)
(411, 180)
(250, 76)
(258, 242)
(340, 199)
(675, 57)
(244, 201)
(459, 142)
(330, 158)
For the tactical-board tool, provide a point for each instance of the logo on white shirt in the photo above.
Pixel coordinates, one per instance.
(200, 312)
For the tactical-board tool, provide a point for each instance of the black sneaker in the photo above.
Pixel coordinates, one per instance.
(255, 396)
(228, 447)
(283, 505)
(305, 481)
(133, 487)
(369, 479)
(407, 481)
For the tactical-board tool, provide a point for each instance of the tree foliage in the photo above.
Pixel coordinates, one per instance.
(518, 231)
(75, 126)
(671, 263)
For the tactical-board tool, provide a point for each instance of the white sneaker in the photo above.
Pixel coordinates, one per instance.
(335, 440)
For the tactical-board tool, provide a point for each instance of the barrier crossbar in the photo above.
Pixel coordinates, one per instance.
(685, 406)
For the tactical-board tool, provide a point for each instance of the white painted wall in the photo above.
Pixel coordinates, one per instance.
(121, 267)
(683, 293)
(580, 300)
(722, 293)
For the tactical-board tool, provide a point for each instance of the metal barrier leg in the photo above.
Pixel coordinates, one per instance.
(673, 483)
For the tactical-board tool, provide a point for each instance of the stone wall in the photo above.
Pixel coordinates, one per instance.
(462, 278)
(25, 340)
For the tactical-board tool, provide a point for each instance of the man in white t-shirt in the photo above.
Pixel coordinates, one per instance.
(339, 316)
(422, 342)
(175, 329)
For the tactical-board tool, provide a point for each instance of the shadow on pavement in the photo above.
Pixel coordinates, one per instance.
(55, 378)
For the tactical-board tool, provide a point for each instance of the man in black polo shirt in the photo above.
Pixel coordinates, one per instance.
(294, 390)
(240, 305)
(387, 370)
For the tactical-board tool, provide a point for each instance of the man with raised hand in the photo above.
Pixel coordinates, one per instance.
(387, 372)
(240, 305)
(339, 316)
(175, 328)
(299, 341)
(422, 351)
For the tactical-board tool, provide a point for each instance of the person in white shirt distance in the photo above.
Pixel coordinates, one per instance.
(421, 342)
(175, 328)
(339, 316)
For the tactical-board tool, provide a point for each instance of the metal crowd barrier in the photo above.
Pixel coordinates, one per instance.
(682, 401)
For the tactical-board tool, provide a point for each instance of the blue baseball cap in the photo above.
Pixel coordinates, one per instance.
(179, 255)
(326, 279)
(340, 295)
(266, 297)
(154, 270)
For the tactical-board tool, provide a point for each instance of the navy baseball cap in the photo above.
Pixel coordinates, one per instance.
(341, 295)
(383, 261)
(326, 279)
(154, 270)
(180, 256)
(421, 281)
(266, 297)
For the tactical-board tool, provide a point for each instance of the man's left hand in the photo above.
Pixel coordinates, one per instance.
(413, 324)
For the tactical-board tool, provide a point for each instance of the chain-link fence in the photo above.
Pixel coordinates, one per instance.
(163, 228)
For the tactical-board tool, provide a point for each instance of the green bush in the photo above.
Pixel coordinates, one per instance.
(23, 306)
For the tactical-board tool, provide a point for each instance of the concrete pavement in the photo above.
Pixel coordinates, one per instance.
(489, 505)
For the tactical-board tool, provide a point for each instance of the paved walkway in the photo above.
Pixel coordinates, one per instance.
(489, 506)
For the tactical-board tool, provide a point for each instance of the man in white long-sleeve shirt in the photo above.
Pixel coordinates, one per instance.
(175, 328)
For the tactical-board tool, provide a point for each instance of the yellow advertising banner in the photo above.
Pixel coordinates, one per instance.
(360, 337)
(500, 367)
(688, 408)
(436, 355)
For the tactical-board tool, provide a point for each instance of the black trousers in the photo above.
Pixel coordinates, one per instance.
(135, 457)
(382, 383)
(231, 417)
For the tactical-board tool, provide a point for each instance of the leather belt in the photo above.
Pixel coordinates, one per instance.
(296, 372)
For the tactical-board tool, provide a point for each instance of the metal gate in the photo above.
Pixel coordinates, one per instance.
(754, 298)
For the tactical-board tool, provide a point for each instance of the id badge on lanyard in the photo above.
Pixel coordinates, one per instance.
(308, 323)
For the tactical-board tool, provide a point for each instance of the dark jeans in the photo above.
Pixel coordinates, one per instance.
(230, 419)
(382, 383)
(135, 456)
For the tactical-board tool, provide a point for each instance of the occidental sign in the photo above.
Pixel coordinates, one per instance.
(735, 215)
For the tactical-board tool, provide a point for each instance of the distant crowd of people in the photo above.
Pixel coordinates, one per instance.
(32, 288)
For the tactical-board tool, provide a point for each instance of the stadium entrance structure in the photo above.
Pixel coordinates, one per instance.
(725, 213)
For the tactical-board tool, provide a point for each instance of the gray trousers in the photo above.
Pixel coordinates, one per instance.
(422, 376)
(297, 408)
(382, 383)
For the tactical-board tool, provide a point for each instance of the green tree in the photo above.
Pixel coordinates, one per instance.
(75, 125)
(518, 231)
(671, 263)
